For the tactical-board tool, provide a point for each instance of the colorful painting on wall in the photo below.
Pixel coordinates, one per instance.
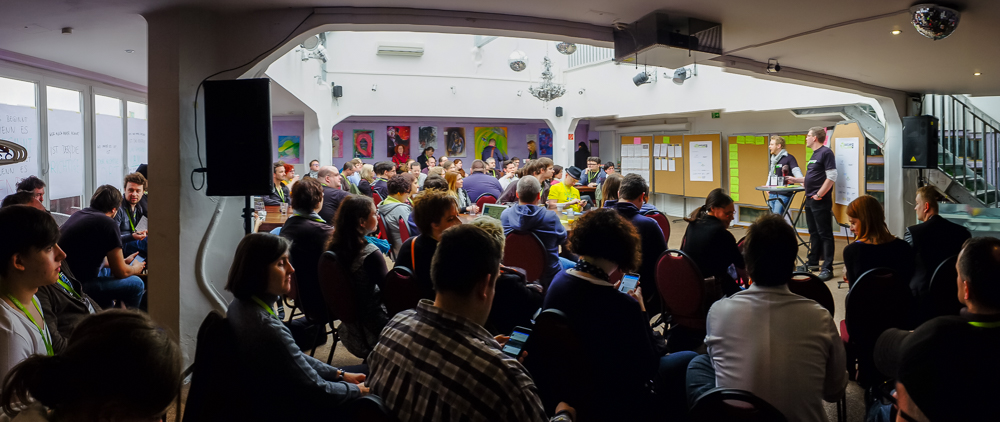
(338, 144)
(545, 141)
(288, 149)
(454, 141)
(428, 137)
(485, 135)
(398, 144)
(363, 144)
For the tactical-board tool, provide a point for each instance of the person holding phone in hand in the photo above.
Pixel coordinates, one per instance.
(821, 174)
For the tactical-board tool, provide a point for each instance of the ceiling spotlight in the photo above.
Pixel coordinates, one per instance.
(977, 74)
(517, 61)
(896, 32)
(374, 87)
(641, 78)
(67, 30)
(519, 93)
(681, 75)
(933, 21)
(566, 48)
(582, 91)
(130, 51)
(773, 66)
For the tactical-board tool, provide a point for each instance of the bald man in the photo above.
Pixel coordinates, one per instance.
(332, 192)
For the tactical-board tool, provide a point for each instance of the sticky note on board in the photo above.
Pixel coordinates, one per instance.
(637, 140)
(666, 139)
(809, 154)
(733, 164)
(734, 147)
(734, 180)
(741, 139)
(734, 172)
(736, 197)
(801, 139)
(734, 188)
(733, 155)
(760, 140)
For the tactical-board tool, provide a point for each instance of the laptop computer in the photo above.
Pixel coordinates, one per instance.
(494, 210)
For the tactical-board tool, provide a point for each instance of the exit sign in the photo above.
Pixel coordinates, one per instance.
(715, 115)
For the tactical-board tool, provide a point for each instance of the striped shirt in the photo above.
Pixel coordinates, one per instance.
(433, 365)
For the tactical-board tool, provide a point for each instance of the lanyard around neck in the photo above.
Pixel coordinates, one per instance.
(42, 329)
(281, 193)
(64, 282)
(297, 214)
(269, 309)
(131, 223)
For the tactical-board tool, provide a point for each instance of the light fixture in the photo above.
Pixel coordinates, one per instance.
(896, 32)
(313, 49)
(566, 48)
(641, 78)
(67, 30)
(933, 21)
(400, 49)
(374, 87)
(453, 90)
(517, 61)
(548, 90)
(773, 66)
(681, 75)
(582, 91)
(977, 74)
(130, 51)
(519, 93)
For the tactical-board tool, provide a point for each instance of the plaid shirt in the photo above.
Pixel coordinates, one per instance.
(432, 365)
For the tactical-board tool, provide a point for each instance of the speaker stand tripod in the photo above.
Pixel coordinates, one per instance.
(247, 216)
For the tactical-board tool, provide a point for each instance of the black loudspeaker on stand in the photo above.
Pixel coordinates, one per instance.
(238, 140)
(920, 142)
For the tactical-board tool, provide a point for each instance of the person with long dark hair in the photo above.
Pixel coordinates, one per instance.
(607, 193)
(709, 243)
(261, 272)
(365, 267)
(422, 159)
(118, 366)
(582, 153)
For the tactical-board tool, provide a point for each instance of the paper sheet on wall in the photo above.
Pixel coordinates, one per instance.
(65, 154)
(670, 151)
(644, 151)
(644, 163)
(671, 165)
(658, 166)
(847, 169)
(108, 149)
(18, 124)
(677, 151)
(701, 161)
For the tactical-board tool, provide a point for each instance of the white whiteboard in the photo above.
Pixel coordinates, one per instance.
(848, 186)
(65, 154)
(18, 124)
(109, 150)
(701, 161)
(137, 146)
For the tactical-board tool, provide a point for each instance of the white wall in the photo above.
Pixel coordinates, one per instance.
(989, 105)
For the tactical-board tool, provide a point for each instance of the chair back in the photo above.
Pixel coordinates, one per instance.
(404, 230)
(663, 222)
(376, 197)
(215, 370)
(486, 198)
(309, 299)
(730, 404)
(616, 276)
(400, 290)
(370, 408)
(810, 286)
(559, 364)
(682, 288)
(335, 284)
(526, 251)
(383, 233)
(878, 300)
(943, 292)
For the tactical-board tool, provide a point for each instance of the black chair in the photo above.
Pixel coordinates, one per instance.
(730, 404)
(400, 290)
(214, 373)
(943, 292)
(809, 286)
(370, 408)
(558, 363)
(878, 300)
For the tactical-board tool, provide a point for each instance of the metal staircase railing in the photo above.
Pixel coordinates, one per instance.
(967, 157)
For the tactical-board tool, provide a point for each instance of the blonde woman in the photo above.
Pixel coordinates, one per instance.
(455, 183)
(367, 179)
(435, 171)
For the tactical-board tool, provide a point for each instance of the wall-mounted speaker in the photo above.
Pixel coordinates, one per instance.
(920, 142)
(559, 112)
(338, 91)
(238, 137)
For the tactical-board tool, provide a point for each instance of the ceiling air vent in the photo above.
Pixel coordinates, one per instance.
(400, 49)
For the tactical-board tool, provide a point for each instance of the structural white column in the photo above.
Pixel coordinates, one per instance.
(900, 185)
(563, 147)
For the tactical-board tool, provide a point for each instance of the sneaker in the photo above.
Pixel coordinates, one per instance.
(825, 275)
(807, 268)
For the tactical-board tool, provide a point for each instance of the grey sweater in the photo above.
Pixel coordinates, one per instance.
(266, 347)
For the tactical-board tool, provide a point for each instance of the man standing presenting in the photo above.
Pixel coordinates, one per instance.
(821, 173)
(129, 215)
(279, 193)
(780, 159)
(329, 177)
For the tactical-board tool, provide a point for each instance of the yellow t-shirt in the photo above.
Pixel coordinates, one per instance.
(562, 193)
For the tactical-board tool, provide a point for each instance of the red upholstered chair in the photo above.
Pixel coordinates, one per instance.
(338, 294)
(878, 300)
(485, 198)
(376, 197)
(663, 222)
(682, 288)
(400, 291)
(524, 250)
(809, 286)
(404, 230)
(616, 276)
(383, 233)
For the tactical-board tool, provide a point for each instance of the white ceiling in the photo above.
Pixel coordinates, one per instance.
(865, 52)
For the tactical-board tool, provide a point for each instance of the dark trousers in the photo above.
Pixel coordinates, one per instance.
(819, 217)
(700, 378)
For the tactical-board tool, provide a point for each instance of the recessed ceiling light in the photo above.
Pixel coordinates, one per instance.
(896, 32)
(977, 74)
(130, 51)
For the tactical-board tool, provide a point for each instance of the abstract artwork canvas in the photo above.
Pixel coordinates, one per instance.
(288, 149)
(338, 143)
(545, 141)
(454, 141)
(484, 135)
(363, 144)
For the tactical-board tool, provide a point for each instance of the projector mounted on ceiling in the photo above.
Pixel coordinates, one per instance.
(400, 49)
(666, 41)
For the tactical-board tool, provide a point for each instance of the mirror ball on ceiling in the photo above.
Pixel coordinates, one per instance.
(566, 48)
(518, 61)
(933, 21)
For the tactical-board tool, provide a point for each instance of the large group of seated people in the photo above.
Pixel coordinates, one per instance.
(69, 355)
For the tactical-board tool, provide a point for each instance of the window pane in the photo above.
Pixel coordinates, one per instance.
(108, 141)
(66, 155)
(137, 146)
(19, 125)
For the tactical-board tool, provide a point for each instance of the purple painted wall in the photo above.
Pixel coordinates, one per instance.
(517, 132)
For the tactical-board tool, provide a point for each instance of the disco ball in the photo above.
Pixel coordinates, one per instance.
(933, 21)
(518, 61)
(566, 48)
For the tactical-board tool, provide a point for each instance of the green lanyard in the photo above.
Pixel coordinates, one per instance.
(296, 214)
(269, 309)
(130, 222)
(42, 328)
(591, 178)
(281, 193)
(64, 282)
(985, 324)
